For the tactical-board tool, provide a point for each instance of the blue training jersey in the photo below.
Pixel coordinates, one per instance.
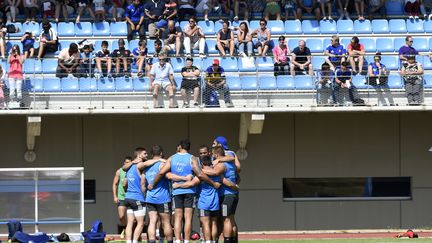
(208, 196)
(230, 174)
(181, 164)
(160, 193)
(134, 184)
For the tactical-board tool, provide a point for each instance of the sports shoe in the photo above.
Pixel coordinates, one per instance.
(196, 104)
(97, 74)
(122, 234)
(185, 105)
(236, 18)
(229, 105)
(202, 55)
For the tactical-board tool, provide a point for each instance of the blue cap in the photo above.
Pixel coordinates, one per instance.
(222, 141)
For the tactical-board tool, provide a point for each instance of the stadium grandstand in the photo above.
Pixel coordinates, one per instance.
(333, 144)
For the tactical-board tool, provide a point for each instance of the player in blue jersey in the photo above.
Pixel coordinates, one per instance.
(185, 165)
(336, 53)
(158, 199)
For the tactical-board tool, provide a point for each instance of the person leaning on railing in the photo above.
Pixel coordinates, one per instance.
(324, 84)
(216, 82)
(412, 73)
(191, 81)
(68, 61)
(377, 72)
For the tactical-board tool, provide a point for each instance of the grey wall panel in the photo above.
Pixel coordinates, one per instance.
(415, 213)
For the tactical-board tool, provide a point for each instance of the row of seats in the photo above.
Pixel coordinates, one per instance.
(277, 27)
(235, 83)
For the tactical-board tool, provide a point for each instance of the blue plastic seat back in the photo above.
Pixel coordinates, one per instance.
(414, 26)
(36, 85)
(97, 45)
(254, 24)
(9, 45)
(395, 7)
(369, 44)
(317, 61)
(218, 25)
(427, 26)
(427, 78)
(69, 85)
(398, 43)
(315, 45)
(229, 64)
(397, 26)
(421, 44)
(292, 43)
(303, 82)
(276, 27)
(87, 85)
(208, 61)
(114, 45)
(249, 82)
(210, 47)
(380, 26)
(328, 27)
(178, 64)
(32, 66)
(207, 27)
(359, 82)
(31, 27)
(198, 62)
(233, 82)
(101, 29)
(18, 27)
(51, 85)
(427, 64)
(183, 24)
(345, 26)
(346, 41)
(105, 85)
(133, 44)
(395, 82)
(49, 65)
(118, 29)
(310, 27)
(66, 29)
(362, 27)
(247, 64)
(141, 84)
(293, 27)
(123, 84)
(326, 43)
(65, 44)
(391, 62)
(83, 29)
(267, 82)
(285, 82)
(384, 45)
(150, 46)
(265, 64)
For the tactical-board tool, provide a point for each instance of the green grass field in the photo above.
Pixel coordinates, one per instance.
(389, 240)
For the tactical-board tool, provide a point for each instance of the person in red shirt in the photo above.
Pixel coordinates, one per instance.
(356, 53)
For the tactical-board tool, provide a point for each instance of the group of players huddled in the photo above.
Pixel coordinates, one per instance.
(157, 186)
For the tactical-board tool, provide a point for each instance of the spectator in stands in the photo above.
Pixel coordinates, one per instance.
(244, 40)
(2, 86)
(3, 5)
(216, 82)
(412, 74)
(356, 53)
(204, 7)
(194, 38)
(407, 50)
(412, 7)
(140, 54)
(28, 41)
(336, 53)
(329, 5)
(48, 9)
(290, 6)
(15, 73)
(170, 13)
(172, 38)
(65, 7)
(162, 77)
(359, 6)
(117, 10)
(122, 59)
(263, 42)
(343, 83)
(185, 8)
(99, 10)
(135, 18)
(158, 50)
(103, 56)
(377, 71)
(301, 59)
(377, 6)
(85, 68)
(280, 57)
(240, 4)
(191, 81)
(12, 10)
(272, 9)
(3, 34)
(425, 7)
(154, 12)
(342, 7)
(325, 78)
(30, 10)
(225, 39)
(68, 61)
(313, 9)
(48, 40)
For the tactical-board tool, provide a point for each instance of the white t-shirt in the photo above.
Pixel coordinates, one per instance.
(68, 60)
(161, 74)
(99, 5)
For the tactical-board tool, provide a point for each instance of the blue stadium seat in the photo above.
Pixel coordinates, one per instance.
(97, 45)
(123, 84)
(233, 82)
(285, 82)
(32, 66)
(118, 29)
(49, 66)
(51, 85)
(395, 82)
(178, 80)
(292, 43)
(310, 27)
(267, 82)
(183, 24)
(36, 85)
(141, 84)
(315, 45)
(293, 27)
(362, 27)
(19, 33)
(66, 29)
(391, 62)
(114, 45)
(427, 64)
(414, 26)
(427, 26)
(65, 44)
(276, 27)
(198, 62)
(317, 61)
(87, 85)
(69, 85)
(345, 26)
(207, 27)
(427, 79)
(397, 26)
(359, 82)
(421, 44)
(229, 64)
(394, 7)
(380, 26)
(31, 27)
(369, 44)
(245, 65)
(150, 46)
(346, 41)
(208, 61)
(133, 44)
(210, 47)
(218, 25)
(254, 24)
(384, 45)
(328, 27)
(302, 82)
(83, 29)
(178, 64)
(398, 42)
(249, 82)
(105, 85)
(101, 29)
(265, 64)
(9, 45)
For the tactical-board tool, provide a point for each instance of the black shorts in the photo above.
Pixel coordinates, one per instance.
(134, 204)
(184, 201)
(160, 208)
(229, 204)
(51, 48)
(208, 213)
(190, 84)
(121, 203)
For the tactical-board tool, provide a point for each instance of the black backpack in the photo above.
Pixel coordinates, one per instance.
(13, 227)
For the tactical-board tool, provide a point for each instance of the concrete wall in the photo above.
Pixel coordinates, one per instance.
(292, 145)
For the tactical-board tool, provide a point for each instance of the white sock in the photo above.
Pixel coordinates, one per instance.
(134, 241)
(212, 241)
(208, 241)
(177, 241)
(157, 232)
(186, 241)
(128, 241)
